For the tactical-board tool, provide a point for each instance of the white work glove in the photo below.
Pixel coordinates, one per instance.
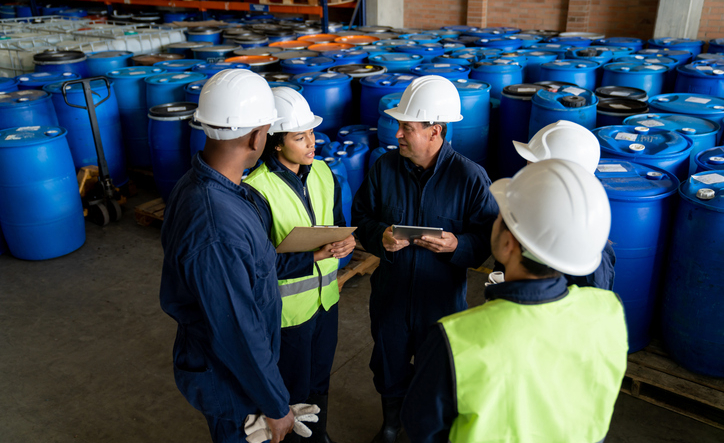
(495, 277)
(257, 430)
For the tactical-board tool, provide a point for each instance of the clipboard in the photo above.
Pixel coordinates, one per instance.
(308, 238)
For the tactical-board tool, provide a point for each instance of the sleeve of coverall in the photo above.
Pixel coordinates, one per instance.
(429, 408)
(482, 210)
(222, 276)
(364, 212)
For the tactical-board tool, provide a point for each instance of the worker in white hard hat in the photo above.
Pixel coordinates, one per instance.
(301, 191)
(541, 360)
(219, 279)
(570, 141)
(424, 183)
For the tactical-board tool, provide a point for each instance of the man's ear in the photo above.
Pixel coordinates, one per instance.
(255, 137)
(507, 243)
(435, 131)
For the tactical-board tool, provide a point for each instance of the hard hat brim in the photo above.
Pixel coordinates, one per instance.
(400, 116)
(524, 151)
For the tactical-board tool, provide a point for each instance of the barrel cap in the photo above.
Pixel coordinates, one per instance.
(210, 69)
(395, 42)
(679, 54)
(30, 135)
(711, 159)
(656, 143)
(624, 180)
(703, 68)
(251, 39)
(357, 39)
(150, 59)
(698, 189)
(347, 54)
(291, 45)
(395, 58)
(222, 49)
(174, 77)
(21, 98)
(550, 99)
(555, 85)
(182, 110)
(423, 49)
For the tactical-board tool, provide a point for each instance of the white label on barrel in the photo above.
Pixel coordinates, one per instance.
(620, 93)
(574, 91)
(28, 92)
(28, 128)
(651, 123)
(180, 76)
(296, 62)
(177, 108)
(13, 137)
(653, 60)
(474, 85)
(611, 168)
(440, 65)
(699, 100)
(527, 89)
(42, 74)
(626, 136)
(704, 68)
(618, 106)
(137, 72)
(655, 67)
(405, 77)
(398, 58)
(554, 46)
(708, 179)
(329, 75)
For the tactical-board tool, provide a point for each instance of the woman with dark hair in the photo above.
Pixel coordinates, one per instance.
(298, 190)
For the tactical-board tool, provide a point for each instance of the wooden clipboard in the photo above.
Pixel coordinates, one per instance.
(306, 238)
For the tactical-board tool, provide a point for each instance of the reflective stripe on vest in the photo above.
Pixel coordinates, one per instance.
(540, 372)
(301, 297)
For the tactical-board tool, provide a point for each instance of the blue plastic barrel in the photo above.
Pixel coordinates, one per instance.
(647, 76)
(480, 53)
(36, 80)
(61, 61)
(197, 138)
(716, 46)
(396, 62)
(193, 90)
(682, 56)
(580, 72)
(450, 47)
(447, 70)
(392, 43)
(702, 133)
(178, 65)
(470, 135)
(26, 108)
(214, 53)
(497, 74)
(655, 147)
(556, 48)
(428, 51)
(515, 108)
(168, 87)
(320, 141)
(456, 59)
(613, 111)
(103, 61)
(347, 198)
(169, 136)
(695, 105)
(606, 92)
(710, 160)
(597, 54)
(508, 43)
(570, 41)
(642, 199)
(374, 88)
(303, 65)
(670, 63)
(534, 59)
(618, 51)
(338, 168)
(529, 40)
(685, 44)
(569, 103)
(329, 95)
(133, 109)
(379, 152)
(701, 77)
(41, 214)
(707, 56)
(628, 42)
(204, 34)
(80, 135)
(359, 134)
(8, 84)
(211, 69)
(692, 312)
(185, 48)
(354, 156)
(347, 56)
(387, 126)
(7, 11)
(421, 38)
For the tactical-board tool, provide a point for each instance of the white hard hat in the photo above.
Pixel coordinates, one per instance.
(558, 212)
(293, 111)
(565, 140)
(429, 98)
(237, 101)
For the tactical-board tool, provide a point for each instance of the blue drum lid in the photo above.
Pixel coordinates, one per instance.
(387, 80)
(395, 42)
(624, 180)
(174, 77)
(499, 66)
(648, 58)
(323, 62)
(285, 84)
(29, 135)
(529, 38)
(9, 82)
(534, 54)
(356, 54)
(555, 47)
(219, 66)
(460, 28)
(389, 101)
(195, 87)
(110, 54)
(394, 57)
(704, 68)
(77, 88)
(685, 103)
(470, 87)
(570, 41)
(217, 49)
(677, 54)
(705, 189)
(178, 64)
(21, 98)
(423, 49)
(558, 99)
(322, 78)
(450, 47)
(673, 42)
(480, 52)
(439, 68)
(42, 78)
(684, 124)
(460, 59)
(636, 68)
(713, 158)
(135, 72)
(718, 57)
(618, 51)
(500, 41)
(421, 38)
(618, 41)
(640, 141)
(570, 65)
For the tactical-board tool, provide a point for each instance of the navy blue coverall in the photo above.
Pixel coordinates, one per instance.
(307, 350)
(219, 282)
(414, 287)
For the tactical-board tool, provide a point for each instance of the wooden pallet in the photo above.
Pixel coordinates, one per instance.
(653, 377)
(150, 212)
(362, 263)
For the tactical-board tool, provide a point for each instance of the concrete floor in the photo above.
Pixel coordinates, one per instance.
(85, 354)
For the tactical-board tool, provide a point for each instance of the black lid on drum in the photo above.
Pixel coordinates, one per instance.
(573, 101)
(606, 92)
(110, 54)
(276, 76)
(522, 90)
(555, 85)
(59, 56)
(626, 106)
(589, 52)
(286, 55)
(264, 50)
(358, 70)
(177, 109)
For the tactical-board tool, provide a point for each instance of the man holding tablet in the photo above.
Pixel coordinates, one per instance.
(424, 183)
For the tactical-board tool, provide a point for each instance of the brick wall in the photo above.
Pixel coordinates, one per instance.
(712, 20)
(528, 14)
(614, 18)
(433, 14)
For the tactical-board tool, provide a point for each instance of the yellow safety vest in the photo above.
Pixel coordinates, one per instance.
(301, 297)
(546, 372)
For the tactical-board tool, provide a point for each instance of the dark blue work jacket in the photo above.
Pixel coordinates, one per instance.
(219, 283)
(603, 276)
(414, 281)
